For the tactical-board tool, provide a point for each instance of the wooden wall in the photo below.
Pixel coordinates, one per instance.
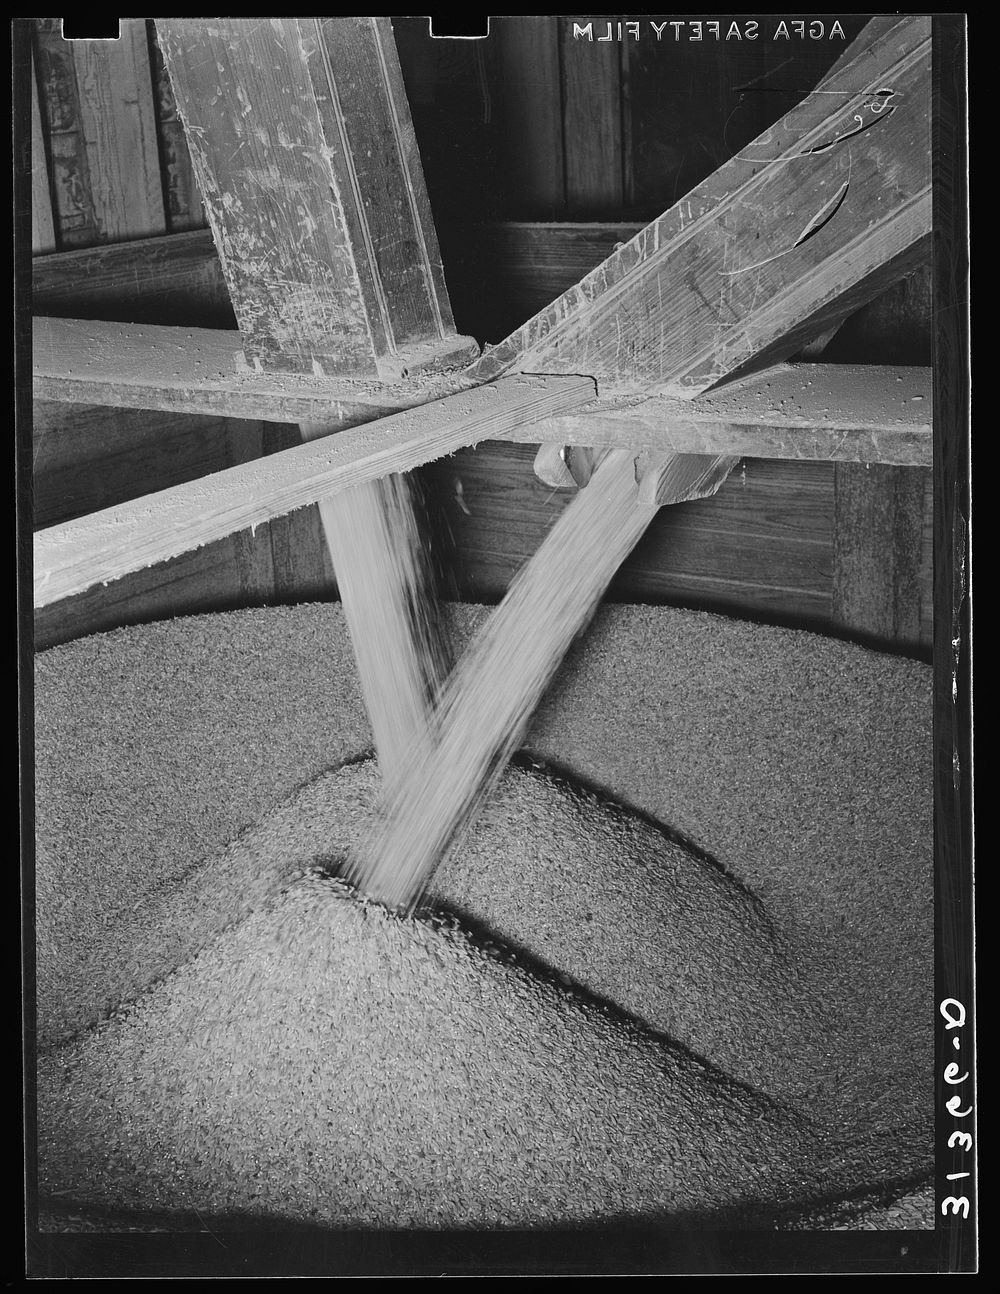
(110, 161)
(513, 131)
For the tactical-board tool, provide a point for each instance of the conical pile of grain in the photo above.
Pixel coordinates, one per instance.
(696, 1020)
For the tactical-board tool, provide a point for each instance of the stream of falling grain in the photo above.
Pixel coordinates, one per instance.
(487, 701)
(387, 587)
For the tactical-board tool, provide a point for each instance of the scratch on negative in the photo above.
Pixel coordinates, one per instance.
(815, 223)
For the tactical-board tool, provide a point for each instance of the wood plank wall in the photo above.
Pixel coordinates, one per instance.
(512, 131)
(114, 160)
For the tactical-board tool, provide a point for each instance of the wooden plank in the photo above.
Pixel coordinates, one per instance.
(359, 276)
(262, 167)
(119, 131)
(672, 119)
(105, 545)
(43, 238)
(849, 413)
(503, 272)
(303, 571)
(76, 223)
(879, 521)
(801, 226)
(88, 458)
(852, 413)
(528, 56)
(183, 199)
(175, 279)
(592, 125)
(762, 546)
(202, 370)
(195, 583)
(374, 119)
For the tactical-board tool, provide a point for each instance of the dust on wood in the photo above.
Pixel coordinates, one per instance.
(301, 140)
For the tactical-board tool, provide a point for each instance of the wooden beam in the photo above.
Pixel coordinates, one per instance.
(528, 55)
(800, 228)
(877, 554)
(336, 270)
(108, 544)
(183, 200)
(73, 208)
(171, 279)
(43, 238)
(282, 116)
(119, 132)
(592, 125)
(203, 370)
(499, 274)
(849, 413)
(827, 412)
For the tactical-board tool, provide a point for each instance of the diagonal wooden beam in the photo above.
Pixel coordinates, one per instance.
(303, 147)
(131, 536)
(802, 227)
(302, 143)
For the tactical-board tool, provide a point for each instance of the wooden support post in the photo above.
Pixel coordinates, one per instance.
(303, 146)
(43, 238)
(879, 513)
(301, 139)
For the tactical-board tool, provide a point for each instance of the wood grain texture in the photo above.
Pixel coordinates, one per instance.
(374, 119)
(672, 118)
(528, 58)
(119, 132)
(878, 552)
(853, 413)
(43, 238)
(108, 544)
(183, 199)
(202, 370)
(762, 546)
(164, 280)
(76, 223)
(208, 580)
(88, 458)
(263, 170)
(592, 125)
(793, 233)
(499, 273)
(301, 139)
(850, 413)
(303, 571)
